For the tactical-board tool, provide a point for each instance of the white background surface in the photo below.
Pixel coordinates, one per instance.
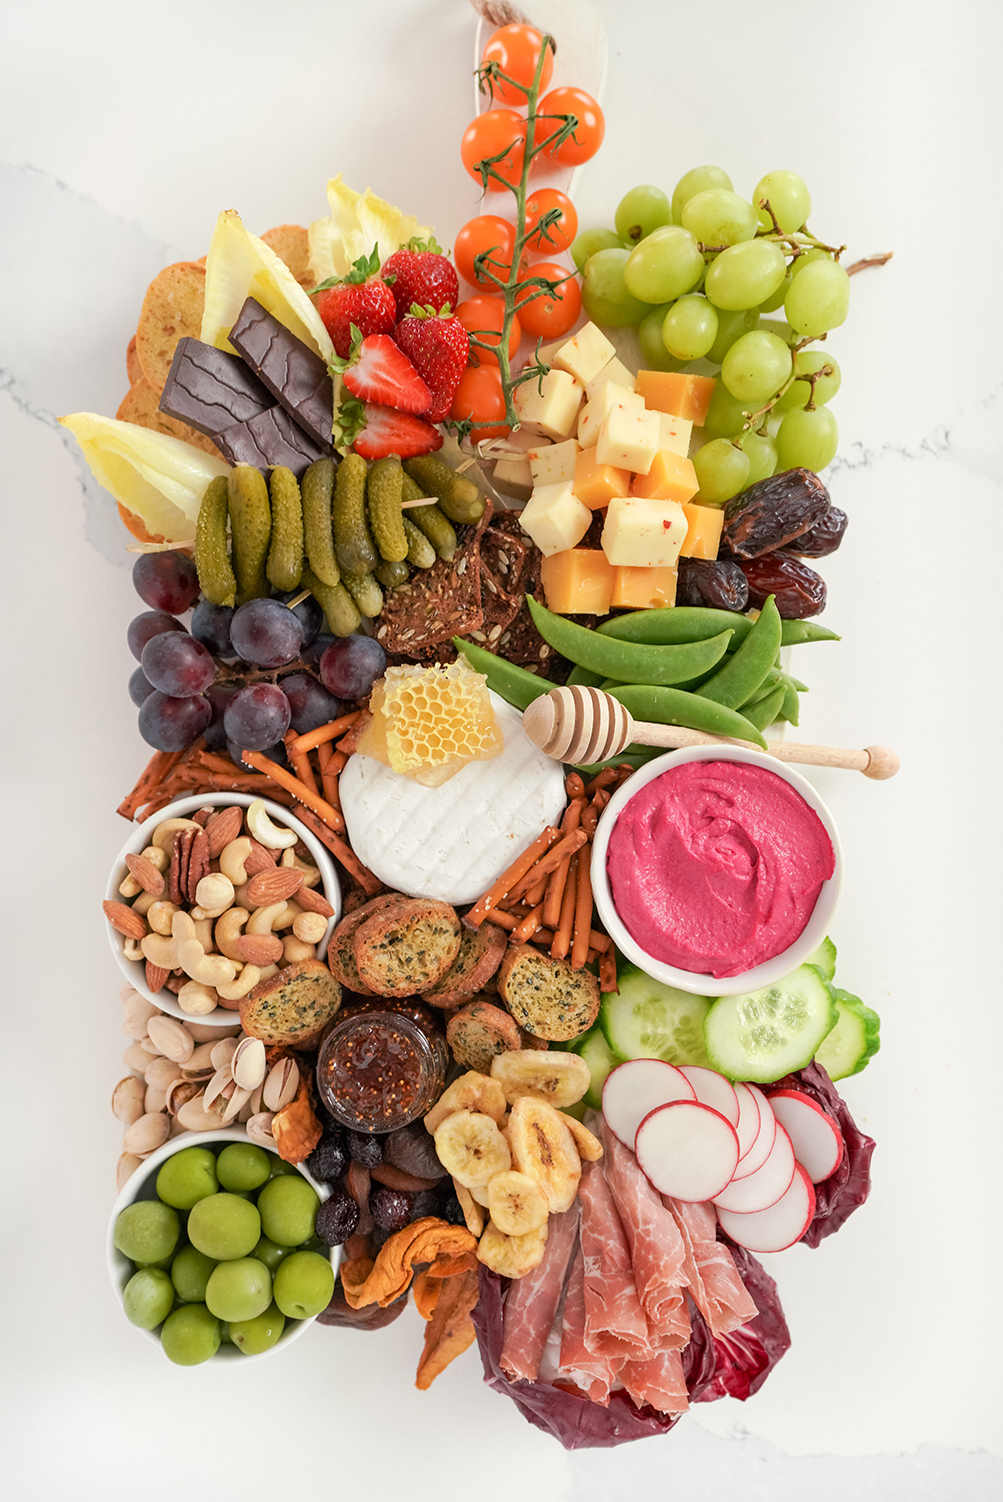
(124, 129)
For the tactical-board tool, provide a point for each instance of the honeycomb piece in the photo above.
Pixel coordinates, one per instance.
(429, 722)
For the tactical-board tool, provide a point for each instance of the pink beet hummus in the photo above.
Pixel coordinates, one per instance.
(716, 866)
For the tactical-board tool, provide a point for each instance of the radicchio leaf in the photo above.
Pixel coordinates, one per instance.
(844, 1191)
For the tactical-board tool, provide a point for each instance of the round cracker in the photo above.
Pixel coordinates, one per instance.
(172, 310)
(291, 243)
(132, 366)
(478, 1032)
(141, 405)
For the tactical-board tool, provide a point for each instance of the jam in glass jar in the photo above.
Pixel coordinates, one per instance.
(379, 1069)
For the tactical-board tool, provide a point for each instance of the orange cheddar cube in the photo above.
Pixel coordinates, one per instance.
(703, 536)
(596, 484)
(670, 478)
(672, 391)
(578, 581)
(643, 588)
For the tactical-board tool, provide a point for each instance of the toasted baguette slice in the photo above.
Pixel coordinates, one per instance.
(407, 948)
(481, 951)
(545, 996)
(479, 1031)
(341, 945)
(293, 1007)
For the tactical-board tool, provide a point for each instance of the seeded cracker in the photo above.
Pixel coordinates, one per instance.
(437, 603)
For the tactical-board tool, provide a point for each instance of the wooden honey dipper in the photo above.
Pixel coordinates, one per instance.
(584, 725)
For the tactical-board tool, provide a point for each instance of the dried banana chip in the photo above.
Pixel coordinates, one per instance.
(471, 1092)
(517, 1203)
(471, 1148)
(542, 1147)
(473, 1211)
(558, 1078)
(512, 1256)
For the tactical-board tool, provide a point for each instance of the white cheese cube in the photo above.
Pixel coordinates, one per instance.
(674, 433)
(548, 352)
(550, 406)
(585, 354)
(555, 518)
(641, 532)
(628, 439)
(594, 413)
(513, 476)
(553, 462)
(613, 370)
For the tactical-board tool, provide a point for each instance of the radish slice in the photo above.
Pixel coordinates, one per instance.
(760, 1190)
(747, 1125)
(818, 1143)
(712, 1089)
(763, 1145)
(637, 1087)
(688, 1150)
(780, 1226)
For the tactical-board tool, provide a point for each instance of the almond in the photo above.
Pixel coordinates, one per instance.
(202, 816)
(312, 902)
(277, 884)
(156, 977)
(260, 859)
(224, 826)
(143, 870)
(124, 920)
(258, 949)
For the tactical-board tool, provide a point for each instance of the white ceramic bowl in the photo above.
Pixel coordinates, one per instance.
(699, 983)
(181, 808)
(143, 1186)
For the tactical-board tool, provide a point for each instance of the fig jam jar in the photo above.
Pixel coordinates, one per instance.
(379, 1069)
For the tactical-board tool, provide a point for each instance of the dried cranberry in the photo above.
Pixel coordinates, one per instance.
(773, 512)
(390, 1208)
(719, 584)
(425, 1202)
(821, 539)
(412, 1150)
(337, 1217)
(799, 591)
(452, 1211)
(329, 1159)
(365, 1148)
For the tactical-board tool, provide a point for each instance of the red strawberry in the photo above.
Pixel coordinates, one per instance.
(382, 373)
(361, 298)
(421, 274)
(390, 432)
(438, 346)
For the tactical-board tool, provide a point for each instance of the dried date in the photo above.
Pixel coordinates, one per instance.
(799, 591)
(720, 584)
(773, 513)
(821, 539)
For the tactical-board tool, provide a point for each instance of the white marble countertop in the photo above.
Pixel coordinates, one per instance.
(124, 129)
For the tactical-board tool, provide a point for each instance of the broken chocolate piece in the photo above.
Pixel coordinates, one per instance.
(211, 390)
(294, 374)
(270, 438)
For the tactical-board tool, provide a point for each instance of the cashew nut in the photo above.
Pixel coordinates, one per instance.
(157, 857)
(245, 982)
(232, 858)
(228, 928)
(210, 969)
(310, 927)
(143, 903)
(311, 874)
(203, 932)
(264, 831)
(182, 925)
(262, 920)
(161, 951)
(288, 915)
(129, 886)
(159, 916)
(294, 951)
(267, 971)
(131, 949)
(163, 835)
(214, 894)
(196, 999)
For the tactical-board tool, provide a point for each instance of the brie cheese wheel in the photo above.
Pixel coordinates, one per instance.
(452, 842)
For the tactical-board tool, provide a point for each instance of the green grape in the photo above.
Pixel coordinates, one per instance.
(718, 217)
(777, 326)
(590, 241)
(818, 300)
(697, 180)
(604, 294)
(689, 328)
(190, 1273)
(147, 1231)
(224, 1333)
(722, 469)
(187, 1177)
(762, 452)
(288, 1210)
(743, 276)
(280, 1168)
(241, 1289)
(270, 1254)
(789, 199)
(725, 416)
(807, 257)
(756, 367)
(639, 212)
(654, 355)
(252, 1336)
(806, 362)
(731, 326)
(243, 1165)
(665, 265)
(148, 1298)
(807, 440)
(190, 1335)
(776, 299)
(224, 1226)
(304, 1285)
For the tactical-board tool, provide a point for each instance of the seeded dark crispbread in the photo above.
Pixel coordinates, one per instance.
(437, 603)
(547, 997)
(404, 950)
(293, 1007)
(341, 945)
(481, 951)
(479, 1031)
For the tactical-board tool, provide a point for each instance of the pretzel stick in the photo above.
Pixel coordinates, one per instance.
(607, 972)
(557, 879)
(501, 919)
(342, 852)
(536, 894)
(508, 878)
(155, 772)
(583, 914)
(548, 862)
(310, 740)
(331, 763)
(574, 786)
(601, 780)
(299, 790)
(300, 763)
(562, 934)
(528, 927)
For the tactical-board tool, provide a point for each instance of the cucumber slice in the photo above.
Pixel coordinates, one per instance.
(825, 958)
(600, 1058)
(647, 1020)
(854, 1040)
(763, 1035)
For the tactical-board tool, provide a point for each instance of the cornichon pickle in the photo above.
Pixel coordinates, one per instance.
(434, 523)
(353, 542)
(458, 497)
(318, 494)
(392, 575)
(420, 551)
(285, 551)
(250, 529)
(383, 494)
(365, 591)
(212, 560)
(335, 601)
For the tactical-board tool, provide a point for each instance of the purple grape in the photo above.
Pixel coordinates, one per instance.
(178, 665)
(219, 696)
(390, 1208)
(257, 717)
(310, 702)
(315, 651)
(148, 625)
(351, 665)
(210, 624)
(166, 581)
(140, 687)
(172, 724)
(266, 633)
(307, 612)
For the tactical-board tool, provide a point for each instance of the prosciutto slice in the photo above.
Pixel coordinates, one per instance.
(715, 1286)
(589, 1373)
(658, 1381)
(532, 1302)
(657, 1252)
(615, 1323)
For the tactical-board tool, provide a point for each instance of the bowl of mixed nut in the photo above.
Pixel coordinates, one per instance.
(212, 895)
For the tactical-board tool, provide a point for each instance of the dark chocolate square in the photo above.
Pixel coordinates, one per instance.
(210, 389)
(293, 373)
(268, 439)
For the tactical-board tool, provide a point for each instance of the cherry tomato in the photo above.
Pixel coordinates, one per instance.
(589, 131)
(484, 317)
(479, 396)
(488, 134)
(552, 313)
(488, 232)
(557, 236)
(516, 50)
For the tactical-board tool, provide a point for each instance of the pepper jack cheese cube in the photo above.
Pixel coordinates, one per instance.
(614, 370)
(643, 588)
(553, 462)
(578, 581)
(594, 413)
(642, 532)
(629, 439)
(555, 518)
(585, 354)
(596, 484)
(703, 536)
(670, 478)
(549, 406)
(674, 433)
(681, 395)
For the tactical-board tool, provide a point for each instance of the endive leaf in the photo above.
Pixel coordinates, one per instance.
(239, 266)
(357, 222)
